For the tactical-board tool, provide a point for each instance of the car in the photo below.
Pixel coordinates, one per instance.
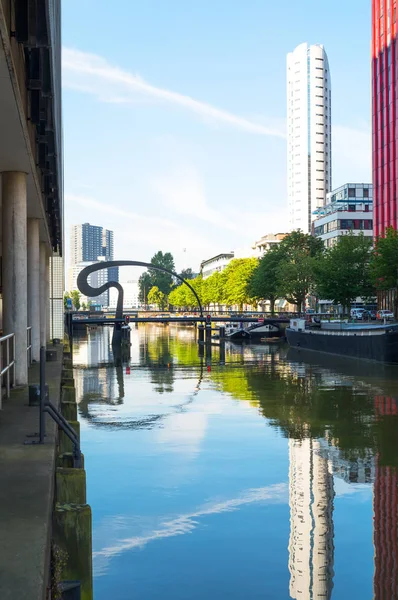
(358, 313)
(385, 314)
(372, 314)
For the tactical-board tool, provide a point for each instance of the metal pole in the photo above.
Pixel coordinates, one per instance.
(42, 429)
(8, 364)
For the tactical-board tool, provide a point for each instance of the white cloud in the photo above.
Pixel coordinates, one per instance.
(89, 73)
(182, 191)
(187, 523)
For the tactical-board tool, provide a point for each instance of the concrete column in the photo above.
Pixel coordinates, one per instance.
(34, 285)
(48, 304)
(15, 268)
(43, 286)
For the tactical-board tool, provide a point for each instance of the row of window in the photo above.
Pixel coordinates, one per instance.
(344, 224)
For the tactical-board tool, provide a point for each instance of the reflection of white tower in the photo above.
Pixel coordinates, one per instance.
(311, 547)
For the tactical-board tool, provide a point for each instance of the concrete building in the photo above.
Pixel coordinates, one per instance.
(96, 280)
(216, 263)
(267, 242)
(131, 293)
(309, 143)
(348, 208)
(31, 167)
(384, 109)
(89, 244)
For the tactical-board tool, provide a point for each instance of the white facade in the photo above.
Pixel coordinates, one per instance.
(96, 280)
(267, 242)
(348, 208)
(216, 263)
(130, 298)
(309, 144)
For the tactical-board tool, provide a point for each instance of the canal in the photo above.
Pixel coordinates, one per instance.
(262, 474)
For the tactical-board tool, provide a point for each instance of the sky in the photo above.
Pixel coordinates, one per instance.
(174, 117)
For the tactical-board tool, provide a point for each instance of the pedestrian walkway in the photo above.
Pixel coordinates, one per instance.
(26, 491)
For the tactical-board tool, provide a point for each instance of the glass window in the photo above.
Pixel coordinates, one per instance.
(351, 207)
(351, 192)
(366, 193)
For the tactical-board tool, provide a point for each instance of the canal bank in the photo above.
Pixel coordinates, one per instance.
(38, 498)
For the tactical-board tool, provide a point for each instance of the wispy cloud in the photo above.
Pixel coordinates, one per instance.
(88, 73)
(182, 191)
(186, 523)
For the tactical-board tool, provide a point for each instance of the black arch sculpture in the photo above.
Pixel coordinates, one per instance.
(87, 290)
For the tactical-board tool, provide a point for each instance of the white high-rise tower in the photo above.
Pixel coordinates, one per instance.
(309, 143)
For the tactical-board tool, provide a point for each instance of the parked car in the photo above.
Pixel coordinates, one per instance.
(385, 314)
(358, 313)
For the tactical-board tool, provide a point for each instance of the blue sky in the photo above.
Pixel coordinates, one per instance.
(174, 116)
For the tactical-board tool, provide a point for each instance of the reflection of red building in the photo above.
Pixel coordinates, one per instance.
(386, 518)
(385, 104)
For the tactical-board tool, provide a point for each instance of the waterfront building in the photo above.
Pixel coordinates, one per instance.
(309, 139)
(96, 279)
(131, 294)
(384, 108)
(348, 208)
(216, 263)
(88, 244)
(267, 242)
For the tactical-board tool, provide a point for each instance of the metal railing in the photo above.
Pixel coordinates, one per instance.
(29, 345)
(7, 363)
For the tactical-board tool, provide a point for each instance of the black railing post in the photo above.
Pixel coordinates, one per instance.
(42, 424)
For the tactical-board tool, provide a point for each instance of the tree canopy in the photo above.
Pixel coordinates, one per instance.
(384, 261)
(156, 296)
(295, 273)
(264, 283)
(153, 278)
(343, 272)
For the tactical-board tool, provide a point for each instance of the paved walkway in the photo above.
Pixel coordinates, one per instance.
(26, 492)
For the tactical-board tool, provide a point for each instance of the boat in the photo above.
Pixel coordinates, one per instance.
(364, 341)
(265, 328)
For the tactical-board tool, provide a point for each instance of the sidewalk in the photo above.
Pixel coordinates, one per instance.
(26, 491)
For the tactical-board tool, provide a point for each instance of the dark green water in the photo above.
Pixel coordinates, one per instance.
(269, 474)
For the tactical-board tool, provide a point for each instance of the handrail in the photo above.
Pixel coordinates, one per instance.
(29, 345)
(7, 369)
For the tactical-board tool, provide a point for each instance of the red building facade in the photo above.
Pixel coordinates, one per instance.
(384, 111)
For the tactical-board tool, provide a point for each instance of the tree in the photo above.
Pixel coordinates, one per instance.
(237, 276)
(162, 280)
(187, 274)
(178, 296)
(144, 284)
(183, 296)
(156, 296)
(343, 272)
(152, 278)
(66, 297)
(295, 273)
(75, 295)
(213, 288)
(264, 283)
(384, 263)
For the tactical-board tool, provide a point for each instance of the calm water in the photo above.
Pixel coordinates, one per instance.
(265, 474)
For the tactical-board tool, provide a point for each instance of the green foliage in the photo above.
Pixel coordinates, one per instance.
(295, 273)
(342, 273)
(156, 296)
(187, 274)
(152, 278)
(183, 297)
(384, 262)
(144, 284)
(236, 281)
(66, 296)
(75, 296)
(264, 283)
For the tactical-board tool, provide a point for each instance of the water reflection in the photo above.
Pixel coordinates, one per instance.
(340, 421)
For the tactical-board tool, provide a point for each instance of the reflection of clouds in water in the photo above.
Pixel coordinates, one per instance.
(183, 429)
(183, 524)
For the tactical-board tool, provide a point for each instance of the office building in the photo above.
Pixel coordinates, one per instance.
(267, 242)
(96, 280)
(216, 263)
(348, 208)
(309, 143)
(385, 104)
(89, 244)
